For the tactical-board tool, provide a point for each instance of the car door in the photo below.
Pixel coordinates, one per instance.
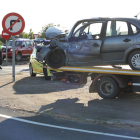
(24, 48)
(118, 39)
(30, 47)
(28, 50)
(85, 42)
(37, 67)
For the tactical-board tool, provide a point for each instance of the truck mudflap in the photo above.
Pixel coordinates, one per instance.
(135, 83)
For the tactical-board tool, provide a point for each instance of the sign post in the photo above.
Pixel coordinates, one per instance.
(13, 24)
(6, 52)
(13, 59)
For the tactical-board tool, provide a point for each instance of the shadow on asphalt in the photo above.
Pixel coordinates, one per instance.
(5, 84)
(38, 85)
(95, 110)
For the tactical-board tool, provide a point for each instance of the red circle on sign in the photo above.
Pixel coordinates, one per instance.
(5, 35)
(13, 14)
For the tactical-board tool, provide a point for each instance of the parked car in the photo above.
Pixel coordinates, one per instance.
(95, 41)
(36, 67)
(23, 48)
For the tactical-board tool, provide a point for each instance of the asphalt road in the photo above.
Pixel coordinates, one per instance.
(18, 69)
(20, 125)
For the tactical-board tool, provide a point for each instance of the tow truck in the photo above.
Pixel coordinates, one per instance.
(108, 82)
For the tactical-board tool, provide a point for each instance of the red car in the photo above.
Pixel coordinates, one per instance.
(23, 48)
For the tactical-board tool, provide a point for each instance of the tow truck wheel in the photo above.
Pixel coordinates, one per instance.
(31, 71)
(18, 57)
(55, 59)
(108, 88)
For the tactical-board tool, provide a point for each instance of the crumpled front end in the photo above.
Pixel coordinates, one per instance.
(54, 32)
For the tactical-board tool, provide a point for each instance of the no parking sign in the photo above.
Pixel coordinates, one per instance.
(13, 24)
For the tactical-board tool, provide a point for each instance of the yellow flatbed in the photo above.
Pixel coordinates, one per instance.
(103, 69)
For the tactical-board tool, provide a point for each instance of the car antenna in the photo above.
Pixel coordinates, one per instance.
(137, 15)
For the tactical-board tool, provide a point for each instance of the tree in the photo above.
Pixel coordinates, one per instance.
(31, 34)
(2, 40)
(1, 43)
(25, 35)
(44, 28)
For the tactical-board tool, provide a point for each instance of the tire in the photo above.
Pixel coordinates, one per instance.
(18, 57)
(46, 74)
(134, 60)
(55, 59)
(31, 71)
(108, 88)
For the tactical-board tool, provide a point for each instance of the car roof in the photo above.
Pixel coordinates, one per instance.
(22, 39)
(134, 21)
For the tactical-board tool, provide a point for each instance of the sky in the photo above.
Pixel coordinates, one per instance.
(38, 13)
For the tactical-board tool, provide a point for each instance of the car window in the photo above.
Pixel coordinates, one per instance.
(134, 29)
(17, 43)
(28, 43)
(116, 28)
(95, 28)
(31, 42)
(24, 43)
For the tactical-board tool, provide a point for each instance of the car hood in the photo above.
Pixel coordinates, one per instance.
(8, 47)
(54, 32)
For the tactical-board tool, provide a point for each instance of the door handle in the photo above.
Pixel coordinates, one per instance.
(95, 45)
(126, 40)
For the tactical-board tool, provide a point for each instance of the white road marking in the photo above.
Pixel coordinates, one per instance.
(68, 128)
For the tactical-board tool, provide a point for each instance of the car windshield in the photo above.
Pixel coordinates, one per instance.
(9, 43)
(17, 43)
(68, 32)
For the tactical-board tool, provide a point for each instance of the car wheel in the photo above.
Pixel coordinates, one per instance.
(18, 57)
(55, 59)
(108, 88)
(31, 71)
(134, 60)
(46, 74)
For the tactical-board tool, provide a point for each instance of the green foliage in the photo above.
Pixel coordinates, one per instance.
(42, 33)
(1, 43)
(25, 35)
(2, 40)
(31, 34)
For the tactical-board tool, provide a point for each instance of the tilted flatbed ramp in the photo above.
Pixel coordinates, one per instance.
(98, 70)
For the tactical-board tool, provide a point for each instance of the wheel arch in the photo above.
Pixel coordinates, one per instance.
(121, 82)
(19, 53)
(129, 51)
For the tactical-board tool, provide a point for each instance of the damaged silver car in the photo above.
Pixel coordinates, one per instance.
(93, 42)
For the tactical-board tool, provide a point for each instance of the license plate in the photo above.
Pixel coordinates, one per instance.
(4, 53)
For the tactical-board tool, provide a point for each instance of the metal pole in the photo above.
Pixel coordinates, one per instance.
(6, 51)
(13, 59)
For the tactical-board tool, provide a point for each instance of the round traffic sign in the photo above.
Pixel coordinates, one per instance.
(5, 35)
(13, 24)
